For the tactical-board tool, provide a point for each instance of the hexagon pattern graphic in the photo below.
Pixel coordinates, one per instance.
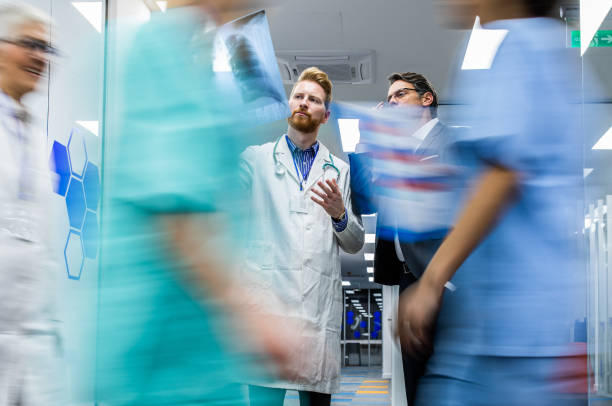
(91, 181)
(60, 164)
(90, 235)
(79, 182)
(75, 203)
(73, 254)
(77, 153)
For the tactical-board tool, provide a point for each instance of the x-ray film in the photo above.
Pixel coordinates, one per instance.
(246, 63)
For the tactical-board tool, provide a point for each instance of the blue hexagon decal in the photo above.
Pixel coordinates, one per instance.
(91, 182)
(79, 183)
(60, 164)
(75, 203)
(73, 255)
(90, 235)
(77, 153)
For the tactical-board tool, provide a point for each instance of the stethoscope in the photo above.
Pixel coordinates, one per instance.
(280, 170)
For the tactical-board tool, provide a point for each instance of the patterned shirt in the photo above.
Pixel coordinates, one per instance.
(303, 160)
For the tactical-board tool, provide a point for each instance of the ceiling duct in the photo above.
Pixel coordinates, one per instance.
(352, 67)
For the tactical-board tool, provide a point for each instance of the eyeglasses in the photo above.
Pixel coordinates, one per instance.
(33, 45)
(400, 94)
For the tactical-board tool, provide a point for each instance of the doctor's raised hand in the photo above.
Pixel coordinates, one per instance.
(331, 198)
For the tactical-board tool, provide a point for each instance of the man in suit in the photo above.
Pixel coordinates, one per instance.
(395, 262)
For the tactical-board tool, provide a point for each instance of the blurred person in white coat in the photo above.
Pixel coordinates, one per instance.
(301, 217)
(29, 344)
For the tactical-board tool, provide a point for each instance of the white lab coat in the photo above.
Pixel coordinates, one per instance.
(28, 341)
(294, 252)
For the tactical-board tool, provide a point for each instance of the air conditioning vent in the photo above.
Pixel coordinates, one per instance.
(352, 67)
(337, 73)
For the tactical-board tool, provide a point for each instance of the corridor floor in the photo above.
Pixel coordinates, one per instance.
(358, 386)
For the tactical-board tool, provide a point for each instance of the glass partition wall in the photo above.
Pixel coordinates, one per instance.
(362, 328)
(596, 328)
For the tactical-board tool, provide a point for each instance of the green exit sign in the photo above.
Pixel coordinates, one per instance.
(602, 38)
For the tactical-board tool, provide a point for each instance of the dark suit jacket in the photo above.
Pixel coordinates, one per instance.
(388, 269)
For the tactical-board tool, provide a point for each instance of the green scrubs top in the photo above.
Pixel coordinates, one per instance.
(160, 341)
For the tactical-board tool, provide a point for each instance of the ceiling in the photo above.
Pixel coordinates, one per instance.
(405, 36)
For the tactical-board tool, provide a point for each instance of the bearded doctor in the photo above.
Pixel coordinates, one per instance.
(301, 216)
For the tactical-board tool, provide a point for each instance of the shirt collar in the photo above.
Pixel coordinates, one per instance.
(293, 147)
(422, 132)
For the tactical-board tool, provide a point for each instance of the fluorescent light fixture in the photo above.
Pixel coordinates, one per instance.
(370, 269)
(368, 256)
(377, 294)
(349, 133)
(370, 238)
(592, 14)
(163, 5)
(349, 292)
(346, 283)
(92, 11)
(587, 171)
(482, 47)
(371, 279)
(354, 301)
(91, 126)
(605, 142)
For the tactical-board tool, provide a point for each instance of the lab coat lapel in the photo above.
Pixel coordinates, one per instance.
(317, 172)
(283, 155)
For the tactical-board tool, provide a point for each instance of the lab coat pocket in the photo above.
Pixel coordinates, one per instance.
(320, 292)
(337, 309)
(259, 264)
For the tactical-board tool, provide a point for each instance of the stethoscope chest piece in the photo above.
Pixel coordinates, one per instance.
(280, 171)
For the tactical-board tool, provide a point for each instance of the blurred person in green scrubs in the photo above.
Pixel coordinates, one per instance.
(173, 327)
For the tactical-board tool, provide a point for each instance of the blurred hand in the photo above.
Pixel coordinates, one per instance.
(331, 198)
(277, 343)
(418, 310)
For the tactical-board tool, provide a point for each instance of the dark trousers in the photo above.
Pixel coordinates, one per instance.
(413, 368)
(262, 396)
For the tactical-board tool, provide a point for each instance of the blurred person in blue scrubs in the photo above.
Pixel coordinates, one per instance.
(173, 323)
(504, 336)
(31, 366)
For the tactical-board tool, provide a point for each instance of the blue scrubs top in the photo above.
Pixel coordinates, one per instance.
(518, 292)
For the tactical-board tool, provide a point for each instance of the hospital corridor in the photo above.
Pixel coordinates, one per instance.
(305, 203)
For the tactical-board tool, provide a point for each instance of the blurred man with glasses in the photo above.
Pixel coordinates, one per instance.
(398, 262)
(30, 367)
